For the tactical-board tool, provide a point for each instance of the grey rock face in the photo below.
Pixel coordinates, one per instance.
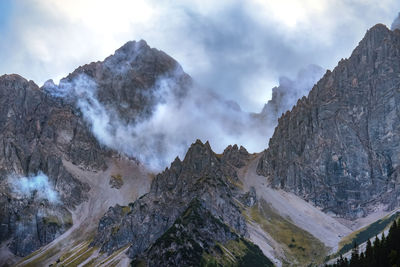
(338, 148)
(235, 156)
(37, 132)
(30, 223)
(202, 175)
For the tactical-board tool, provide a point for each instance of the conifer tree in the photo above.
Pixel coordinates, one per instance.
(355, 258)
(384, 251)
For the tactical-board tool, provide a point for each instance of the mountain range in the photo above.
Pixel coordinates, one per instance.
(82, 178)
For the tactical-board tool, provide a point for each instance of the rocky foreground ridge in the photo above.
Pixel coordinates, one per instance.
(202, 175)
(198, 238)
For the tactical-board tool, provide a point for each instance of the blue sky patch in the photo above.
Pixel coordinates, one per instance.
(5, 13)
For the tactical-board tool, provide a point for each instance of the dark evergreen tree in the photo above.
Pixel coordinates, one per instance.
(382, 252)
(355, 258)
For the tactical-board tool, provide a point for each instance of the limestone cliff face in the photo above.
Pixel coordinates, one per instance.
(202, 175)
(37, 132)
(339, 147)
(34, 124)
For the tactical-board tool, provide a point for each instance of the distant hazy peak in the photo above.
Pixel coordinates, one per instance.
(396, 23)
(285, 96)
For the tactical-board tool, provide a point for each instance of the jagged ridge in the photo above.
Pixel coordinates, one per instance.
(203, 175)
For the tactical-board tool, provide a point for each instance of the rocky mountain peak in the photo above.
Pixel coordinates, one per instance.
(135, 55)
(377, 29)
(132, 56)
(11, 79)
(131, 49)
(374, 36)
(379, 45)
(16, 86)
(199, 156)
(235, 156)
(130, 82)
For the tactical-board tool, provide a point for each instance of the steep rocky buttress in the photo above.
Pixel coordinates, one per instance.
(37, 133)
(339, 147)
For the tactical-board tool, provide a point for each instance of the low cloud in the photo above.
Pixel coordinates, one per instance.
(34, 185)
(175, 123)
(177, 120)
(285, 96)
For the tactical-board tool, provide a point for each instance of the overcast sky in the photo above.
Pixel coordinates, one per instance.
(237, 48)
